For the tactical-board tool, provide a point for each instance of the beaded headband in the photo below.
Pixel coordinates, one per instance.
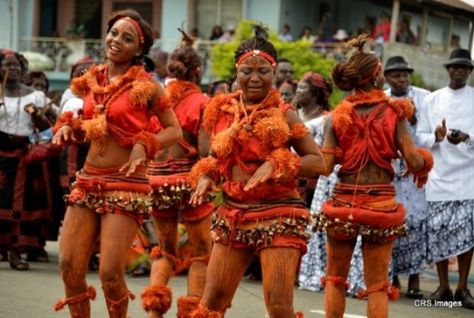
(263, 54)
(137, 27)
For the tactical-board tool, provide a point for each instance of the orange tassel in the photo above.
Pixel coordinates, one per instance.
(299, 130)
(214, 108)
(392, 292)
(341, 116)
(96, 127)
(177, 89)
(114, 305)
(273, 130)
(90, 293)
(286, 165)
(207, 166)
(404, 107)
(143, 93)
(79, 85)
(204, 312)
(186, 305)
(156, 298)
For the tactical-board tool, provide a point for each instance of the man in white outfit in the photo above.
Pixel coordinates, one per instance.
(409, 252)
(446, 127)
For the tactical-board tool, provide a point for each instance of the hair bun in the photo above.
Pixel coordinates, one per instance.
(260, 31)
(176, 69)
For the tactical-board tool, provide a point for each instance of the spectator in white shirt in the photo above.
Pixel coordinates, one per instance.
(445, 126)
(285, 34)
(409, 252)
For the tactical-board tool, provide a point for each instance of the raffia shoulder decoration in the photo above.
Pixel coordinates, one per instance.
(266, 121)
(403, 107)
(299, 130)
(79, 86)
(142, 92)
(219, 103)
(176, 90)
(341, 116)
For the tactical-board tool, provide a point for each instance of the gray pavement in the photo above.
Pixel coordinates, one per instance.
(33, 293)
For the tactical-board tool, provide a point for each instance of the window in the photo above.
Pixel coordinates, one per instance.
(209, 13)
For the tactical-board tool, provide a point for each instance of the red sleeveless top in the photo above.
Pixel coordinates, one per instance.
(372, 136)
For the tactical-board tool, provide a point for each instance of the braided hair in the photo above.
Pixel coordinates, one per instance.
(258, 42)
(359, 69)
(146, 29)
(185, 63)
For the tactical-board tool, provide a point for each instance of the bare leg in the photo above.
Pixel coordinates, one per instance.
(224, 272)
(200, 238)
(338, 264)
(376, 261)
(79, 234)
(117, 233)
(279, 266)
(162, 269)
(199, 233)
(156, 298)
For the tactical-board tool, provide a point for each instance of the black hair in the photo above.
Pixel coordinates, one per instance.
(32, 76)
(146, 29)
(258, 42)
(283, 60)
(213, 86)
(20, 58)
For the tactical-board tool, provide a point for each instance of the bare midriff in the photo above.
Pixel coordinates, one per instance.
(369, 174)
(106, 152)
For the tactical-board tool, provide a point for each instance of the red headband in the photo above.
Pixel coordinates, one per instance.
(7, 52)
(316, 79)
(376, 68)
(137, 27)
(263, 54)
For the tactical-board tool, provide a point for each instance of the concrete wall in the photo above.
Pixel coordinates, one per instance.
(174, 13)
(16, 22)
(266, 11)
(428, 64)
(298, 14)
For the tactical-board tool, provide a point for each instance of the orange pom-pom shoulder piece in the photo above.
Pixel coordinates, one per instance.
(143, 93)
(286, 165)
(207, 166)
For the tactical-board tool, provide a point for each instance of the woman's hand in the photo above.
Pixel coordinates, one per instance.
(137, 157)
(63, 135)
(204, 184)
(262, 174)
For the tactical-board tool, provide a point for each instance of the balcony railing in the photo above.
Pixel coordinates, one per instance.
(62, 51)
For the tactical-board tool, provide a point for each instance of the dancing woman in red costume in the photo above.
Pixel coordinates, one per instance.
(112, 193)
(363, 134)
(252, 132)
(168, 175)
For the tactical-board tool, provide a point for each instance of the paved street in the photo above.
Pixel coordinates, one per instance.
(33, 293)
